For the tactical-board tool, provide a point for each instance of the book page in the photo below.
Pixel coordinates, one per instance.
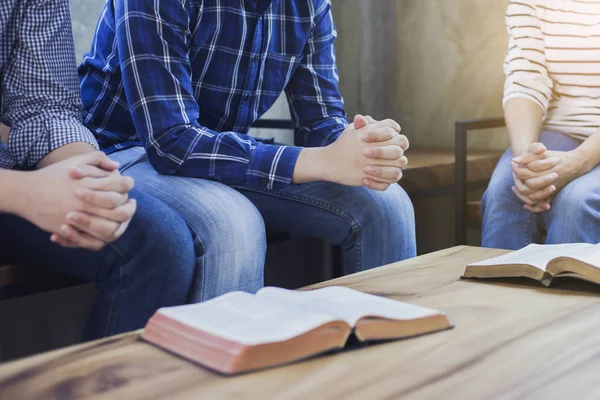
(536, 255)
(248, 319)
(589, 255)
(347, 304)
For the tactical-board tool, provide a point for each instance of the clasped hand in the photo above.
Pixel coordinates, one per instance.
(369, 153)
(539, 175)
(83, 201)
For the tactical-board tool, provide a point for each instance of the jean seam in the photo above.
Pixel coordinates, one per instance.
(111, 312)
(199, 238)
(356, 228)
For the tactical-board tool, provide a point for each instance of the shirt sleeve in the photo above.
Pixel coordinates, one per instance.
(316, 104)
(41, 98)
(525, 65)
(153, 43)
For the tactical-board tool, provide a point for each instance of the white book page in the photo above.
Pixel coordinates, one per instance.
(536, 255)
(347, 304)
(248, 319)
(589, 255)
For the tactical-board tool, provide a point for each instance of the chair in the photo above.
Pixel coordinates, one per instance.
(468, 213)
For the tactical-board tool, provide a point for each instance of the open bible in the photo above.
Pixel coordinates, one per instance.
(543, 263)
(239, 332)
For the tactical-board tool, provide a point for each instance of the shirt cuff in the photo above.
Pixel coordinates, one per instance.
(61, 132)
(271, 166)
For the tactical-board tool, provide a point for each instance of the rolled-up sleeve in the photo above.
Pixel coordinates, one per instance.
(525, 65)
(40, 90)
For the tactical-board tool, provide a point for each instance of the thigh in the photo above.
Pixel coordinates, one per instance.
(23, 243)
(211, 209)
(332, 211)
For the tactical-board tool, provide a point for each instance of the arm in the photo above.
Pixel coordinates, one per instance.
(589, 152)
(165, 112)
(317, 109)
(316, 104)
(10, 191)
(528, 88)
(41, 95)
(41, 100)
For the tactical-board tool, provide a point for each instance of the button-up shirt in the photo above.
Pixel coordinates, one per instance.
(39, 94)
(187, 79)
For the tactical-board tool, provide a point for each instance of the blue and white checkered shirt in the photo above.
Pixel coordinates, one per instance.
(40, 96)
(187, 79)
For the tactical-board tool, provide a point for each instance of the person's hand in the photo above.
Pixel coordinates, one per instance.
(344, 161)
(377, 164)
(82, 200)
(533, 191)
(106, 217)
(386, 145)
(543, 178)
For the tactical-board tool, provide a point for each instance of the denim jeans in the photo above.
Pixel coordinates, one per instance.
(151, 266)
(574, 217)
(374, 228)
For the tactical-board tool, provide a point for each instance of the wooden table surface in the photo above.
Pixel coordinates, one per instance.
(511, 341)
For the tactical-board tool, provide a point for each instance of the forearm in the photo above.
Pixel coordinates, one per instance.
(10, 191)
(524, 123)
(589, 151)
(65, 152)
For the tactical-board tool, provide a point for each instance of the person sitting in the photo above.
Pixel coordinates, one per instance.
(64, 205)
(547, 186)
(172, 89)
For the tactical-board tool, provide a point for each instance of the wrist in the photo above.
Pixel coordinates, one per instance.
(585, 159)
(520, 148)
(65, 152)
(311, 166)
(14, 192)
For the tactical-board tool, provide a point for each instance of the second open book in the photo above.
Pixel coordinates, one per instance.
(240, 332)
(543, 263)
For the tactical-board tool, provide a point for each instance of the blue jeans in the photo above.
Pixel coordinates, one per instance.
(574, 217)
(151, 266)
(374, 228)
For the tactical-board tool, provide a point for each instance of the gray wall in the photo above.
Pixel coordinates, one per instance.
(425, 63)
(84, 14)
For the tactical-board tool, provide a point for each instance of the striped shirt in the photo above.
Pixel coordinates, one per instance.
(187, 79)
(554, 60)
(39, 91)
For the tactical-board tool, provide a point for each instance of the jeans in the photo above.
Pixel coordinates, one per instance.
(151, 266)
(574, 216)
(373, 228)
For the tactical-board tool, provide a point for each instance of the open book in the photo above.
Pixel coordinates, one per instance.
(239, 332)
(543, 263)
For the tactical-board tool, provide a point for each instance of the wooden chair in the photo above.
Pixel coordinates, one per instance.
(468, 213)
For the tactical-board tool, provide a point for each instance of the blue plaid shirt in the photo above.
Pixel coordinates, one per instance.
(187, 79)
(39, 94)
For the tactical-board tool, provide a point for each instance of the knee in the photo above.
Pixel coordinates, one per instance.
(388, 212)
(163, 238)
(576, 201)
(226, 226)
(499, 192)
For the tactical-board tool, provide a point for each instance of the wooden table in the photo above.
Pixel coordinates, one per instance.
(511, 341)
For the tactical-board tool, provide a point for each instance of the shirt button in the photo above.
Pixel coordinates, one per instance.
(256, 58)
(246, 97)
